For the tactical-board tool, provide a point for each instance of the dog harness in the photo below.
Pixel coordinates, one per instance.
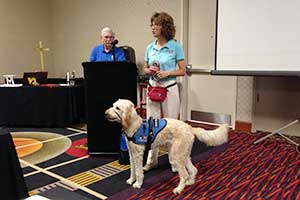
(148, 131)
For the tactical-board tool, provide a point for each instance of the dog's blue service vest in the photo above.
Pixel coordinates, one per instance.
(144, 132)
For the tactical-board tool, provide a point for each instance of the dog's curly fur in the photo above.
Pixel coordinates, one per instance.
(177, 137)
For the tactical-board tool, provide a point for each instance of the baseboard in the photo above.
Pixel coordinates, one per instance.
(243, 126)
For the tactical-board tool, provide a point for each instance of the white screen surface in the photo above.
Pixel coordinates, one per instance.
(258, 35)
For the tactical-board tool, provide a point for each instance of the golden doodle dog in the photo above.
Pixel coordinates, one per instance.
(177, 136)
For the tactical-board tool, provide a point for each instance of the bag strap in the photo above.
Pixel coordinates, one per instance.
(171, 85)
(167, 85)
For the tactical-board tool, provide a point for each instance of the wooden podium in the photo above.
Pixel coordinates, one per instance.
(106, 82)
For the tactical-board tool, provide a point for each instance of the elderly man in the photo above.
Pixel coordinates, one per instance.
(107, 50)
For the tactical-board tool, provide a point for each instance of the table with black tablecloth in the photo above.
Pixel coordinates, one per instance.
(12, 179)
(50, 105)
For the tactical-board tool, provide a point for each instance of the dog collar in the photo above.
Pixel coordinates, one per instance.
(143, 134)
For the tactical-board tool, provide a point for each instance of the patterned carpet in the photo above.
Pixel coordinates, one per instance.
(269, 170)
(57, 160)
(238, 170)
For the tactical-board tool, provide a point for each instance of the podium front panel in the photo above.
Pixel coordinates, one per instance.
(105, 83)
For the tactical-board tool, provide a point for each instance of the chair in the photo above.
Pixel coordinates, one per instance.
(129, 53)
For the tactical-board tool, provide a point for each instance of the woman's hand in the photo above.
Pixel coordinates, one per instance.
(154, 69)
(151, 70)
(161, 74)
(148, 71)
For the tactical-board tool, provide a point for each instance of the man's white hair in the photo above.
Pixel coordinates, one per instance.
(107, 29)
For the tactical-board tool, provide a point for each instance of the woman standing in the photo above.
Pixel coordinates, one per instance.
(161, 61)
(164, 61)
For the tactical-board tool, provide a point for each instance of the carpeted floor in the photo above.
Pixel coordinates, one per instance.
(237, 170)
(270, 170)
(55, 164)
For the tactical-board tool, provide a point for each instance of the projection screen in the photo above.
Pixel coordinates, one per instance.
(258, 37)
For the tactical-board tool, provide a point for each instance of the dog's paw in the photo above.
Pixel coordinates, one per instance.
(190, 181)
(147, 167)
(130, 181)
(136, 185)
(177, 190)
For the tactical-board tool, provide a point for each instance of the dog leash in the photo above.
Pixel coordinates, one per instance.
(150, 134)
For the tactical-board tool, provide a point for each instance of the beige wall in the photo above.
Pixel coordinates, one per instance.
(77, 25)
(23, 24)
(71, 28)
(207, 93)
(277, 103)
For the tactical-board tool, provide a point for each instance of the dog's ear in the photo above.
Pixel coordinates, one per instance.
(127, 115)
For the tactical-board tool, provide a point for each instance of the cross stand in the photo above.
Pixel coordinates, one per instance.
(42, 49)
(285, 137)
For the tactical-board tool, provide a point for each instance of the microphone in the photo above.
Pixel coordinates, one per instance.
(113, 46)
(115, 42)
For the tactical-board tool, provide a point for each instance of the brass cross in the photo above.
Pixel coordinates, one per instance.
(41, 49)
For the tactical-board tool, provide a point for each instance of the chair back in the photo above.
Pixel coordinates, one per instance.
(129, 53)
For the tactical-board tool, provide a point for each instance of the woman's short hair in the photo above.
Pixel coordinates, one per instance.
(167, 23)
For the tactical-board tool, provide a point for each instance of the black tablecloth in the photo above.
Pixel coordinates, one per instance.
(52, 106)
(13, 183)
